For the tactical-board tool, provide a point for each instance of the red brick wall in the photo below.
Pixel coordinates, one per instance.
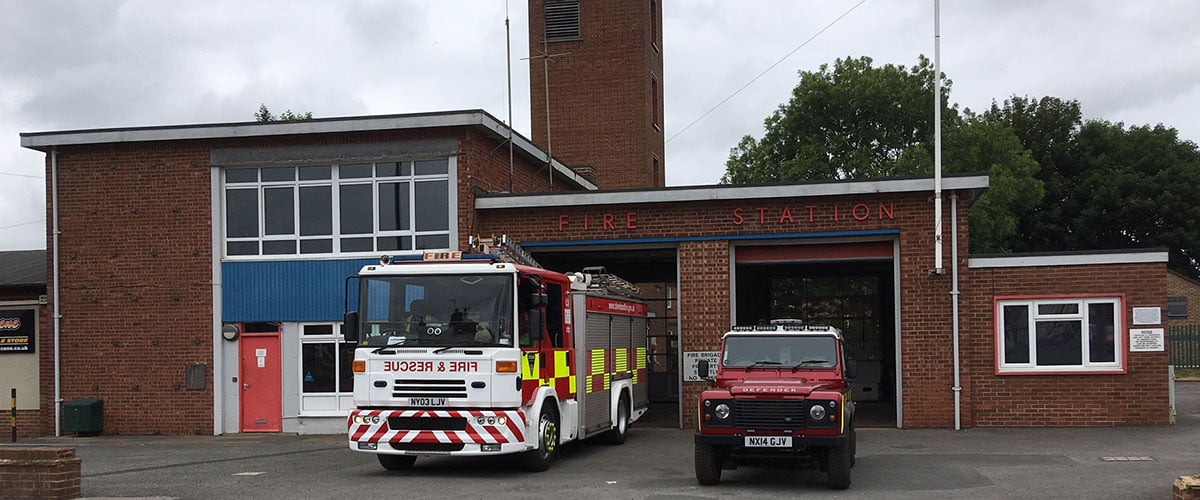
(136, 269)
(924, 301)
(601, 106)
(1179, 285)
(136, 293)
(1136, 398)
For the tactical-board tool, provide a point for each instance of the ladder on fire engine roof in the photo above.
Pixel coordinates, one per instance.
(600, 279)
(504, 248)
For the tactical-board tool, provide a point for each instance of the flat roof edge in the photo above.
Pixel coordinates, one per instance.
(710, 193)
(1100, 257)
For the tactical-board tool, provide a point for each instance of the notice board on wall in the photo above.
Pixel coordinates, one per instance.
(17, 330)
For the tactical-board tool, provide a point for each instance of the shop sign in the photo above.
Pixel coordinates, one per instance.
(17, 327)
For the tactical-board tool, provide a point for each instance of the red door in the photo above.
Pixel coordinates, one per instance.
(262, 382)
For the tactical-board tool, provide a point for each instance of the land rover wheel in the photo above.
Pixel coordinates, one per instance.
(540, 458)
(708, 464)
(853, 445)
(397, 462)
(621, 426)
(839, 458)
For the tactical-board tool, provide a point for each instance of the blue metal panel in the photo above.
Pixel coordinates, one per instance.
(303, 290)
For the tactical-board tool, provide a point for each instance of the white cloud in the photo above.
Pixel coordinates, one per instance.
(107, 63)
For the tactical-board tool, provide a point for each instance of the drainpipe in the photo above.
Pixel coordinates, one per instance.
(57, 315)
(954, 300)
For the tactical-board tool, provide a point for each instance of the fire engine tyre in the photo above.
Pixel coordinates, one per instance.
(840, 459)
(708, 464)
(621, 426)
(397, 462)
(540, 458)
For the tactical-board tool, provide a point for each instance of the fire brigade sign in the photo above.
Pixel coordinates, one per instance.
(17, 327)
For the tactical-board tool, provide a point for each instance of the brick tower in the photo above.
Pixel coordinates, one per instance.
(606, 69)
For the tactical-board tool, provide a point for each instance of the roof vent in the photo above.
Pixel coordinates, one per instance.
(562, 21)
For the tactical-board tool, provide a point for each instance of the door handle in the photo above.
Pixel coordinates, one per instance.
(245, 387)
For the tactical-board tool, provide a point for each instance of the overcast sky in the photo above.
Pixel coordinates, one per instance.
(89, 64)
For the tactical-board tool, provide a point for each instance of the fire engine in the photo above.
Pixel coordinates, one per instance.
(468, 355)
(780, 391)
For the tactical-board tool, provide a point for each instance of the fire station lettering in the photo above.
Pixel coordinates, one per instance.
(17, 329)
(812, 213)
(431, 366)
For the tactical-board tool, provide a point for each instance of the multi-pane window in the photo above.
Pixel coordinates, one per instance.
(1060, 335)
(326, 362)
(337, 209)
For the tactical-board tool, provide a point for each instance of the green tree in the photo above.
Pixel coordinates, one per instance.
(856, 120)
(264, 115)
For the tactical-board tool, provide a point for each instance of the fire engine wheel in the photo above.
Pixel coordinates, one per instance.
(539, 459)
(840, 458)
(708, 464)
(853, 445)
(397, 462)
(621, 426)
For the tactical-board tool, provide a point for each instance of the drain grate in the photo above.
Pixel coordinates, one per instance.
(1127, 459)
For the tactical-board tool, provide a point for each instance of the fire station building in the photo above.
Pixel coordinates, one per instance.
(178, 254)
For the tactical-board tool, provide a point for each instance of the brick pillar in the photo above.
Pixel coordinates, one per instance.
(39, 473)
(703, 308)
(1186, 488)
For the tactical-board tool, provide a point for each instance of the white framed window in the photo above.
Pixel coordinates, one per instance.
(1060, 334)
(339, 209)
(326, 375)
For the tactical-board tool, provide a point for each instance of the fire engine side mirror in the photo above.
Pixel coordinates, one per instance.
(350, 326)
(702, 369)
(851, 369)
(536, 300)
(535, 324)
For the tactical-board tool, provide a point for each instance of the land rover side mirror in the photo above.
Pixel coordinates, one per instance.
(350, 326)
(851, 369)
(702, 369)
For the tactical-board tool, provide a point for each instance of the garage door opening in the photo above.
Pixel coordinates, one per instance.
(849, 286)
(655, 272)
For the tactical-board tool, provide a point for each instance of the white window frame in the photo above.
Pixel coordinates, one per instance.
(1087, 366)
(334, 183)
(321, 404)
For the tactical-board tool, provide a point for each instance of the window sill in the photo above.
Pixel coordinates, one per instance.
(1065, 371)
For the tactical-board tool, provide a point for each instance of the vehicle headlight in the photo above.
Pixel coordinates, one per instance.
(721, 411)
(817, 412)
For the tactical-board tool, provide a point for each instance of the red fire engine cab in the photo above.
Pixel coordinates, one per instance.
(465, 355)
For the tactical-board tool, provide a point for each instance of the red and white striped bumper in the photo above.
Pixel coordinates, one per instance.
(480, 426)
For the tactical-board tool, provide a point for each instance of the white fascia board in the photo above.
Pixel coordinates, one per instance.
(1067, 260)
(297, 127)
(709, 193)
(521, 142)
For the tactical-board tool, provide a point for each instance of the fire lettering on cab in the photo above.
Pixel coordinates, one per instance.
(431, 366)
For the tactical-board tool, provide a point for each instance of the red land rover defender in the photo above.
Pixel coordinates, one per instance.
(780, 390)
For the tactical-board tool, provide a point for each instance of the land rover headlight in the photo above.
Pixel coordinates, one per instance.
(721, 411)
(817, 412)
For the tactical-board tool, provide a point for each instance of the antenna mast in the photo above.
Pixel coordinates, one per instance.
(508, 67)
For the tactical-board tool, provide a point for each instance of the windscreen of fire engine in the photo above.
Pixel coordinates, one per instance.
(780, 351)
(437, 311)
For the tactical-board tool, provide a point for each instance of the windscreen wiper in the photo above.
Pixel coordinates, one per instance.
(808, 362)
(389, 345)
(762, 362)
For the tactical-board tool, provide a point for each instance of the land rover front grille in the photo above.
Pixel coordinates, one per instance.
(429, 388)
(768, 413)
